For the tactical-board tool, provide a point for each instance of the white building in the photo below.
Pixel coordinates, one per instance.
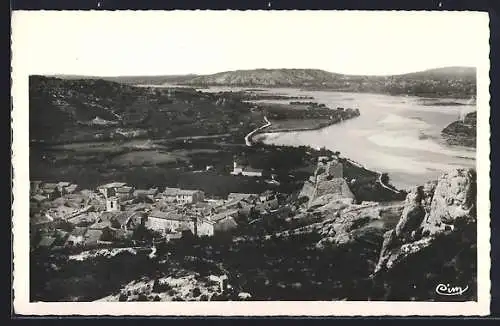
(245, 170)
(112, 204)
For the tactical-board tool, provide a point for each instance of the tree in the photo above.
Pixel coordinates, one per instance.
(384, 178)
(141, 233)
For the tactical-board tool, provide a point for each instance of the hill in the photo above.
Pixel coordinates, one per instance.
(266, 77)
(441, 82)
(456, 82)
(446, 73)
(133, 80)
(68, 110)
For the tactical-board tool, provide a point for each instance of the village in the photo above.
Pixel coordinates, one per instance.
(63, 216)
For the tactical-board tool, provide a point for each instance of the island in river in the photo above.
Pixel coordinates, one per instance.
(462, 132)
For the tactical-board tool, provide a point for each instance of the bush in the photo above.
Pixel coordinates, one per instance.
(123, 297)
(159, 287)
(196, 292)
(142, 297)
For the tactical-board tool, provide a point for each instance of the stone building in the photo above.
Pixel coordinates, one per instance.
(183, 196)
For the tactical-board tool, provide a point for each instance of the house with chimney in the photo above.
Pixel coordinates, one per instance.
(246, 170)
(183, 196)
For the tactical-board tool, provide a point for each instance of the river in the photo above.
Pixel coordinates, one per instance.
(399, 135)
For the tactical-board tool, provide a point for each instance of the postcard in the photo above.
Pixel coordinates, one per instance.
(251, 163)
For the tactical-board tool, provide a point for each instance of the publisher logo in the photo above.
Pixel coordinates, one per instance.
(447, 289)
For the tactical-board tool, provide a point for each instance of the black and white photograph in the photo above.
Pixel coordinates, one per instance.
(256, 157)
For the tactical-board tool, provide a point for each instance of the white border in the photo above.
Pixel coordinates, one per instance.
(20, 146)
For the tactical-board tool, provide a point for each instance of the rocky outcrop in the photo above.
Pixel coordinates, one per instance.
(462, 132)
(439, 216)
(327, 184)
(347, 226)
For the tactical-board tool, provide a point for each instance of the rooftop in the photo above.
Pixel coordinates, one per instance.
(78, 231)
(251, 169)
(40, 219)
(108, 216)
(71, 188)
(49, 185)
(146, 192)
(172, 215)
(224, 214)
(238, 195)
(49, 190)
(38, 198)
(113, 185)
(177, 191)
(93, 236)
(100, 225)
(46, 241)
(124, 189)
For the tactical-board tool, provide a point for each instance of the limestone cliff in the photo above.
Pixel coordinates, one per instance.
(438, 222)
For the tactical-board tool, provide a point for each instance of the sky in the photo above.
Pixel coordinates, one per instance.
(128, 43)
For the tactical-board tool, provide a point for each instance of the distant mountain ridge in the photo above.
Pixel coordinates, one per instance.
(455, 82)
(440, 82)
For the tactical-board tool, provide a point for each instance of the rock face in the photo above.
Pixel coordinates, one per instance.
(433, 214)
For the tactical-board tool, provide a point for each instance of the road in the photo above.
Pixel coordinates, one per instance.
(385, 186)
(248, 138)
(379, 179)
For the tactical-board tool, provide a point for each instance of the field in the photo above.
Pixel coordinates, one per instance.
(174, 164)
(140, 158)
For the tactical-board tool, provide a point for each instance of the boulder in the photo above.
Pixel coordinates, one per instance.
(244, 296)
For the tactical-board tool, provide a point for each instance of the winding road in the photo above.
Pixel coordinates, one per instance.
(385, 186)
(248, 138)
(379, 179)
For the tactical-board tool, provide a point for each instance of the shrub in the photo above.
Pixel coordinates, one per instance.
(160, 286)
(196, 292)
(123, 297)
(142, 297)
